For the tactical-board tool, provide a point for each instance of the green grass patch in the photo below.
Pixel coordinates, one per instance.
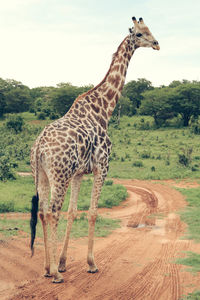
(192, 296)
(103, 227)
(191, 213)
(16, 195)
(192, 260)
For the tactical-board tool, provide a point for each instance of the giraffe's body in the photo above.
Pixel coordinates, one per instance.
(74, 145)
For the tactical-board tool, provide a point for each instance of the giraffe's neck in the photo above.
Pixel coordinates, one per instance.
(100, 101)
(111, 87)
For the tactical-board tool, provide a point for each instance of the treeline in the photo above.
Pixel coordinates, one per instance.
(178, 99)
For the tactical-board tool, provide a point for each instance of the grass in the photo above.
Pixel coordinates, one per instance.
(16, 195)
(103, 227)
(154, 153)
(192, 296)
(192, 260)
(190, 215)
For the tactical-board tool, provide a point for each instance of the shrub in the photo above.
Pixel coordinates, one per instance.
(53, 116)
(6, 207)
(41, 116)
(15, 122)
(108, 182)
(185, 157)
(6, 166)
(145, 154)
(138, 164)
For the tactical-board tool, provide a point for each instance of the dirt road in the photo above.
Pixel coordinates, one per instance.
(135, 262)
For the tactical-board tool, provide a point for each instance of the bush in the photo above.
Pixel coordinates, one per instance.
(185, 157)
(41, 116)
(53, 116)
(195, 128)
(15, 122)
(138, 164)
(6, 207)
(6, 166)
(108, 182)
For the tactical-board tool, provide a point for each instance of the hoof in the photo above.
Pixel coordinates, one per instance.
(61, 270)
(47, 275)
(59, 280)
(93, 271)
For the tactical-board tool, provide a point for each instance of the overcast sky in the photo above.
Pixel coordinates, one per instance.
(45, 42)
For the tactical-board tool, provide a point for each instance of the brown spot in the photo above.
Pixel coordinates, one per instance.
(80, 139)
(116, 98)
(111, 79)
(61, 139)
(121, 69)
(87, 107)
(115, 68)
(99, 101)
(103, 123)
(82, 151)
(95, 108)
(96, 93)
(64, 147)
(117, 80)
(62, 133)
(110, 94)
(104, 114)
(112, 104)
(73, 134)
(82, 109)
(105, 104)
(108, 142)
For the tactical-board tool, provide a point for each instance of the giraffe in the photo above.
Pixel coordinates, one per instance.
(78, 144)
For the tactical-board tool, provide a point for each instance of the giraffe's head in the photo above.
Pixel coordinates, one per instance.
(142, 35)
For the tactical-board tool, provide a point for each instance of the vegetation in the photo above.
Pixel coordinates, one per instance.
(190, 215)
(103, 227)
(16, 195)
(140, 150)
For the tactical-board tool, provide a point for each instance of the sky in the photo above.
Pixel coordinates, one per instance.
(46, 42)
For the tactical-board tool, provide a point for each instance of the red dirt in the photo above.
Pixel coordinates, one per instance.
(135, 262)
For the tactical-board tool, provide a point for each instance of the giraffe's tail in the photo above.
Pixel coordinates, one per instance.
(33, 221)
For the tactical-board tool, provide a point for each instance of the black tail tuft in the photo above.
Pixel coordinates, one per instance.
(33, 221)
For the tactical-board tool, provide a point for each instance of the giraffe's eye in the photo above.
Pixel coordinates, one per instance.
(138, 34)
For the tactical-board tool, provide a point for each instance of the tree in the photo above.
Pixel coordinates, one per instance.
(185, 100)
(134, 89)
(17, 96)
(64, 95)
(3, 87)
(156, 104)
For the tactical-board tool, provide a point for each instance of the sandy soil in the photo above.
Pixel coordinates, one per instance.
(135, 262)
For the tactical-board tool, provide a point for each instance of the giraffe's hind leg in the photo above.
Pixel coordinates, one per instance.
(57, 198)
(72, 213)
(92, 215)
(43, 191)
